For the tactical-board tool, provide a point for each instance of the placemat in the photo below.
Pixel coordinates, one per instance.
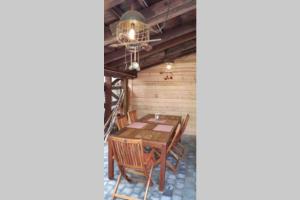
(137, 125)
(164, 128)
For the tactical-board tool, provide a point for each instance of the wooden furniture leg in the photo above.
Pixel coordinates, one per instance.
(162, 167)
(148, 183)
(110, 162)
(116, 187)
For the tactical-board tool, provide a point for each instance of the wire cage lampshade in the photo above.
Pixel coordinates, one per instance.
(132, 30)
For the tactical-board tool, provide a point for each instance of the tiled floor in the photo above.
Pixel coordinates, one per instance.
(180, 186)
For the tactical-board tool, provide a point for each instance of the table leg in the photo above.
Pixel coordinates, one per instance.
(162, 168)
(110, 162)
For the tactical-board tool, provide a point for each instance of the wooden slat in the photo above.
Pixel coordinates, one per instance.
(120, 74)
(117, 12)
(111, 3)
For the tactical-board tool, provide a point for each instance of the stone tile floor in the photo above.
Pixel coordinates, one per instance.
(179, 186)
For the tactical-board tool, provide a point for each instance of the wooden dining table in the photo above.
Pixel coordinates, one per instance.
(154, 133)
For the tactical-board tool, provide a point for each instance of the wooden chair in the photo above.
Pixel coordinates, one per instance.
(175, 148)
(169, 149)
(132, 116)
(130, 155)
(122, 122)
(178, 148)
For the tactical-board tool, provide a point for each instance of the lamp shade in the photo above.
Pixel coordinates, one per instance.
(133, 15)
(132, 30)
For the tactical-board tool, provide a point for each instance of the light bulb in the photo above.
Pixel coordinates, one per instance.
(169, 66)
(134, 65)
(131, 34)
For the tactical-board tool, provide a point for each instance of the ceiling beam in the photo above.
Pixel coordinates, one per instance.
(162, 47)
(169, 44)
(182, 47)
(173, 56)
(144, 4)
(193, 50)
(108, 4)
(120, 74)
(168, 35)
(156, 14)
(117, 12)
(164, 55)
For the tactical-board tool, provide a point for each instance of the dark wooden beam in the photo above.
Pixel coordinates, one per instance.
(108, 4)
(162, 47)
(144, 4)
(182, 47)
(172, 56)
(126, 96)
(169, 44)
(168, 35)
(165, 55)
(156, 14)
(117, 12)
(108, 50)
(108, 99)
(119, 73)
(141, 2)
(168, 55)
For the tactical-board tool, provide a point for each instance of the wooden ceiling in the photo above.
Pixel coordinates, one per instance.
(178, 35)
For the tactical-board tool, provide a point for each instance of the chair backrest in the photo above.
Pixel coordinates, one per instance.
(128, 153)
(175, 138)
(184, 124)
(183, 127)
(132, 116)
(122, 122)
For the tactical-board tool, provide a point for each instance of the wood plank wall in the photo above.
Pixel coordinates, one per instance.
(150, 93)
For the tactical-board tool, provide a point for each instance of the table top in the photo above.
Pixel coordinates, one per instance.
(167, 123)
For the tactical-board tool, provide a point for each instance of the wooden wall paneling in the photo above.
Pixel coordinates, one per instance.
(150, 93)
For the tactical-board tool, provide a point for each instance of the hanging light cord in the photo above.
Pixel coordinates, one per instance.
(167, 16)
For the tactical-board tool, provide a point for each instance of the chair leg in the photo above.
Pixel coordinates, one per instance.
(176, 164)
(116, 195)
(116, 187)
(181, 147)
(174, 155)
(122, 171)
(148, 183)
(169, 165)
(178, 151)
(177, 158)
